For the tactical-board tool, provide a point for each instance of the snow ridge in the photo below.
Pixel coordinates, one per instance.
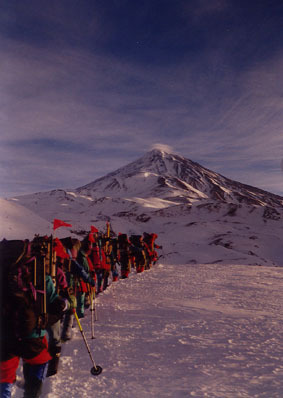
(204, 216)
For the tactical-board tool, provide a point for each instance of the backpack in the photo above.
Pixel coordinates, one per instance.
(137, 249)
(22, 293)
(123, 243)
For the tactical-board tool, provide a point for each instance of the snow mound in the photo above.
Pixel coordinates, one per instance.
(17, 222)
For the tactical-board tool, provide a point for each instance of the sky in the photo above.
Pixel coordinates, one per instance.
(88, 86)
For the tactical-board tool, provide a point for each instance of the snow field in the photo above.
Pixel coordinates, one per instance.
(181, 331)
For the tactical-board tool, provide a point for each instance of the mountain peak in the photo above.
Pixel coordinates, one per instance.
(156, 151)
(161, 149)
(159, 173)
(158, 157)
(177, 196)
(155, 154)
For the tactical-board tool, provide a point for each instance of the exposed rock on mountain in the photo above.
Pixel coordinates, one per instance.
(203, 216)
(178, 179)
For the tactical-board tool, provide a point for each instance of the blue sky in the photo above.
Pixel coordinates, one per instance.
(88, 86)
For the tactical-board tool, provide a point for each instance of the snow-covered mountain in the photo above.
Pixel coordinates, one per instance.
(200, 215)
(174, 178)
(193, 325)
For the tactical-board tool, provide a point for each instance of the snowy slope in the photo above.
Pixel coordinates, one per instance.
(200, 323)
(162, 174)
(17, 222)
(176, 331)
(208, 217)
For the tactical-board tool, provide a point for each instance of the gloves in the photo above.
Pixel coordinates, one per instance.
(67, 305)
(56, 310)
(73, 302)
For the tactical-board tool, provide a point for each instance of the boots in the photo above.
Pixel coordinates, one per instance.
(67, 326)
(34, 375)
(87, 300)
(54, 362)
(33, 388)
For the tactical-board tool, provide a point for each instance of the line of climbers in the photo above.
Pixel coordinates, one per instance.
(44, 283)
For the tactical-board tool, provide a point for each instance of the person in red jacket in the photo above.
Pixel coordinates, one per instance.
(26, 290)
(90, 287)
(124, 255)
(74, 272)
(82, 287)
(150, 246)
(106, 264)
(153, 247)
(98, 259)
(138, 252)
(54, 331)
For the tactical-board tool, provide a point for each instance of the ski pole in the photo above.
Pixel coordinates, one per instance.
(95, 370)
(94, 306)
(92, 309)
(44, 287)
(34, 273)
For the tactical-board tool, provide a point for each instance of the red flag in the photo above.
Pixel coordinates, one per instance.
(59, 223)
(93, 229)
(60, 249)
(91, 237)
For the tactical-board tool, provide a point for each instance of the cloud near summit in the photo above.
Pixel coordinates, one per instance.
(197, 88)
(163, 147)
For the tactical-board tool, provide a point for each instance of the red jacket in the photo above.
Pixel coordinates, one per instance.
(98, 258)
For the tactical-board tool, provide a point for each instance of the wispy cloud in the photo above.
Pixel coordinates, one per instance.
(74, 114)
(163, 147)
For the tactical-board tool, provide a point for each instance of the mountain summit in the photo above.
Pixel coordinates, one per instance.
(175, 178)
(199, 215)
